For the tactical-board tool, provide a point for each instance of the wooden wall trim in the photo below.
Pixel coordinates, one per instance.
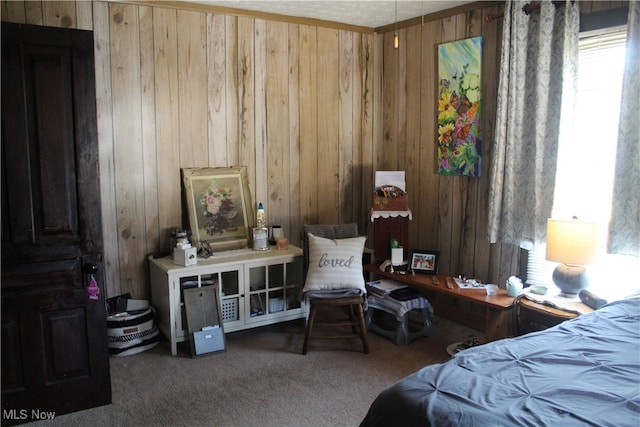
(186, 5)
(437, 16)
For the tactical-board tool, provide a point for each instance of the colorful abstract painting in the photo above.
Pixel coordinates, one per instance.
(459, 107)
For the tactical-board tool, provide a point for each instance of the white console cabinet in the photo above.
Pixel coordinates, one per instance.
(256, 288)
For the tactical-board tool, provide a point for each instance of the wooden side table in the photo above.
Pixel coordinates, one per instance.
(532, 316)
(496, 314)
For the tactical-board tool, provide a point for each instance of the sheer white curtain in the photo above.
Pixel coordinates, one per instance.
(624, 229)
(537, 69)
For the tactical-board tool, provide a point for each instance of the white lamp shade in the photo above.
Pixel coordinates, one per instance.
(573, 242)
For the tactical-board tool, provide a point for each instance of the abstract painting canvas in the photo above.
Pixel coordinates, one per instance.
(459, 107)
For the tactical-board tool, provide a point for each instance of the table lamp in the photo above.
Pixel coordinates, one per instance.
(574, 244)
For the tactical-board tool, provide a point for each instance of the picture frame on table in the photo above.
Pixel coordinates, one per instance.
(220, 207)
(424, 261)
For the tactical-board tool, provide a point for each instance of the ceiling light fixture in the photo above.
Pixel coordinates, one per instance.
(396, 41)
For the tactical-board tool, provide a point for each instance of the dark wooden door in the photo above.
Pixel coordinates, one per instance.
(54, 342)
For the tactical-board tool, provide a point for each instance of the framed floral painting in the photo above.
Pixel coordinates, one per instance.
(219, 206)
(459, 107)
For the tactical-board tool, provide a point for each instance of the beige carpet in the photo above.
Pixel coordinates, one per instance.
(261, 379)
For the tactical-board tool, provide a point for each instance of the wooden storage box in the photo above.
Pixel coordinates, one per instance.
(390, 198)
(381, 203)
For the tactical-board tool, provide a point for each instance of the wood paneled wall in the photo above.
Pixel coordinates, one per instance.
(449, 212)
(190, 88)
(312, 111)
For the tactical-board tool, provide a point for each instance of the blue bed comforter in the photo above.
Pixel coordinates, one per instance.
(585, 371)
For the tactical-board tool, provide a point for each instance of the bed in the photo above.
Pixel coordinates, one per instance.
(585, 371)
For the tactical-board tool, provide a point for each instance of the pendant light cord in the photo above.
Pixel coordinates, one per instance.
(395, 34)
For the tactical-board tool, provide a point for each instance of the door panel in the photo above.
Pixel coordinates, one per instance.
(41, 149)
(12, 367)
(53, 168)
(65, 334)
(54, 341)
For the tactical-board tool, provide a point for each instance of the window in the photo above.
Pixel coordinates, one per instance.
(586, 156)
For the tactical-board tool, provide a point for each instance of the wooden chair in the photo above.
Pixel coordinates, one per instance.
(346, 301)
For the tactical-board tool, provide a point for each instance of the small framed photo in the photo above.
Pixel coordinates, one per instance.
(424, 261)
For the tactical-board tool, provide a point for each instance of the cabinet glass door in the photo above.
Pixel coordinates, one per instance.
(230, 295)
(276, 295)
(274, 289)
(257, 291)
(293, 284)
(228, 283)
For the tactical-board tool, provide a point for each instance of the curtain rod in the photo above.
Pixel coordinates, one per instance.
(527, 9)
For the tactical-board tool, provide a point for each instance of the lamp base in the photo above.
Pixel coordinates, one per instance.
(570, 279)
